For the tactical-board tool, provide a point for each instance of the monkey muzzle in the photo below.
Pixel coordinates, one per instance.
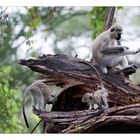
(119, 36)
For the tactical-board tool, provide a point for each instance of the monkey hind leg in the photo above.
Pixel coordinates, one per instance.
(105, 102)
(34, 100)
(44, 107)
(90, 107)
(104, 69)
(124, 62)
(41, 103)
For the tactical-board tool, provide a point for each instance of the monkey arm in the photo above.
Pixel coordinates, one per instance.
(118, 50)
(112, 50)
(131, 52)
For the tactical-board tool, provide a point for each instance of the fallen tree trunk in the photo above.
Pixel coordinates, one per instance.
(65, 71)
(69, 114)
(123, 119)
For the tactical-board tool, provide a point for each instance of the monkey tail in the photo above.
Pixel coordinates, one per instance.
(93, 67)
(36, 126)
(23, 108)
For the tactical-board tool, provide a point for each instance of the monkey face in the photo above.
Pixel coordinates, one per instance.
(87, 97)
(116, 32)
(90, 97)
(118, 36)
(52, 99)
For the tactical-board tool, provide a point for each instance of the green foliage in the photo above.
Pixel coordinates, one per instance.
(10, 102)
(36, 20)
(29, 33)
(75, 26)
(97, 19)
(4, 17)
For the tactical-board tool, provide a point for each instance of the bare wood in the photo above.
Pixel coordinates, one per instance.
(104, 120)
(109, 18)
(76, 79)
(92, 120)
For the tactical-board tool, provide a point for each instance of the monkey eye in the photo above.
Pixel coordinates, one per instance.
(112, 29)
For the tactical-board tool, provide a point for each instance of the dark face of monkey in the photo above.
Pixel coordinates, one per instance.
(90, 97)
(118, 36)
(116, 32)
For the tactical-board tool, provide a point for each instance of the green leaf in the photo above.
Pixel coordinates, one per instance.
(35, 22)
(29, 33)
(31, 10)
(97, 19)
(34, 54)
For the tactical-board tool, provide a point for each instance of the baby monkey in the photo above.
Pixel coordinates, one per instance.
(40, 96)
(99, 97)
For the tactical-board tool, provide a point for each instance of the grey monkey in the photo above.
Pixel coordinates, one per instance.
(40, 96)
(107, 53)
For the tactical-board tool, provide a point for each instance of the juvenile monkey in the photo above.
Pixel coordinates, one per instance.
(40, 96)
(99, 97)
(87, 98)
(105, 51)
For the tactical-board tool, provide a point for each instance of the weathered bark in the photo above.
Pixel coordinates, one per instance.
(93, 121)
(68, 71)
(77, 78)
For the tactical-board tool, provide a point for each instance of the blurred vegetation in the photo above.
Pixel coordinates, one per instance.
(63, 22)
(97, 25)
(64, 25)
(10, 101)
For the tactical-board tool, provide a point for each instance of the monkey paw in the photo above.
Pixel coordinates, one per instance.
(138, 51)
(134, 66)
(121, 49)
(130, 70)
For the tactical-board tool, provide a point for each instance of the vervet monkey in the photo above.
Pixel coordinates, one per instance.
(87, 98)
(99, 97)
(105, 51)
(40, 96)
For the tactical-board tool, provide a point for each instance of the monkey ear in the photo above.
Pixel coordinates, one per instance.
(112, 29)
(83, 99)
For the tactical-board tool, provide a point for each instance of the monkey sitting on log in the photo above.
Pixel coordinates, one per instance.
(106, 53)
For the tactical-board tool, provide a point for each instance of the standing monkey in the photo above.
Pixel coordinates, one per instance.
(40, 96)
(99, 97)
(106, 53)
